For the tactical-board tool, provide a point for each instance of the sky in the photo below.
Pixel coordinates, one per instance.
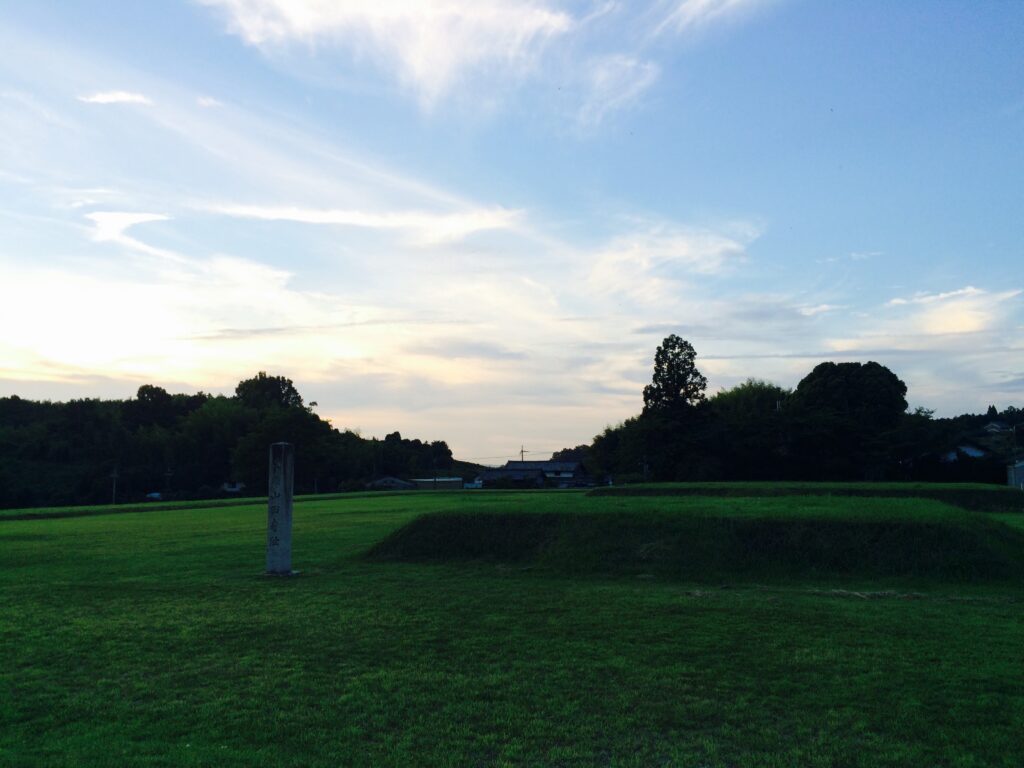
(475, 220)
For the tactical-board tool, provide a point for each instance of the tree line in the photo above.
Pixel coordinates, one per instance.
(843, 421)
(188, 446)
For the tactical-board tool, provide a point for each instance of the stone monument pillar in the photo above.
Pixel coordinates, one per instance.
(279, 509)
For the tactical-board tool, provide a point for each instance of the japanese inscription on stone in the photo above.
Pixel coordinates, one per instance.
(279, 509)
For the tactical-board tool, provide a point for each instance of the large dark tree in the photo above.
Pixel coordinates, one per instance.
(748, 431)
(262, 392)
(676, 382)
(671, 430)
(866, 393)
(845, 415)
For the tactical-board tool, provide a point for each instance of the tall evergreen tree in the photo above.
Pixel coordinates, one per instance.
(676, 382)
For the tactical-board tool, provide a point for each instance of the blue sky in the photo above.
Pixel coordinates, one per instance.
(475, 221)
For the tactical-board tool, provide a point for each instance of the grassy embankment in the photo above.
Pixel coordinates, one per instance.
(152, 639)
(978, 497)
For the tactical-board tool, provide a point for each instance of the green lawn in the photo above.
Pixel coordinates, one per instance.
(974, 496)
(152, 639)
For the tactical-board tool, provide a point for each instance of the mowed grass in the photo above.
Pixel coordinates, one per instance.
(977, 497)
(153, 639)
(727, 539)
(89, 510)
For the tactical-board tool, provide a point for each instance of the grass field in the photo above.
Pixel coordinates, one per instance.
(152, 639)
(974, 496)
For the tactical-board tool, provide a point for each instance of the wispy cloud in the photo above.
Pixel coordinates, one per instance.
(208, 102)
(116, 97)
(430, 46)
(819, 309)
(448, 349)
(425, 228)
(113, 226)
(681, 16)
(650, 264)
(963, 320)
(932, 298)
(967, 311)
(614, 83)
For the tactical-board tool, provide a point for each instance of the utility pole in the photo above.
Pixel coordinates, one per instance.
(522, 454)
(113, 492)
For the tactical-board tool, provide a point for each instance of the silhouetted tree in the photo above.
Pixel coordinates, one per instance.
(844, 418)
(866, 393)
(676, 382)
(316, 446)
(749, 431)
(263, 391)
(205, 442)
(580, 453)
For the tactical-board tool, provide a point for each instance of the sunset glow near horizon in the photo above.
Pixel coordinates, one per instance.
(475, 221)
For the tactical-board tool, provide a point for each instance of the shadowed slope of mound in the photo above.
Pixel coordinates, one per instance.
(702, 547)
(975, 497)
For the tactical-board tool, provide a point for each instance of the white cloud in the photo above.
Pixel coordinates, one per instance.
(649, 266)
(425, 228)
(112, 227)
(688, 15)
(431, 45)
(931, 298)
(818, 309)
(967, 310)
(614, 83)
(115, 97)
(957, 322)
(963, 312)
(208, 102)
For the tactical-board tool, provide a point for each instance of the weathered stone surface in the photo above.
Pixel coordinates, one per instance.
(279, 509)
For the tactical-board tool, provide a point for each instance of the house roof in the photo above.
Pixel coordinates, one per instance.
(545, 466)
(388, 480)
(512, 474)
